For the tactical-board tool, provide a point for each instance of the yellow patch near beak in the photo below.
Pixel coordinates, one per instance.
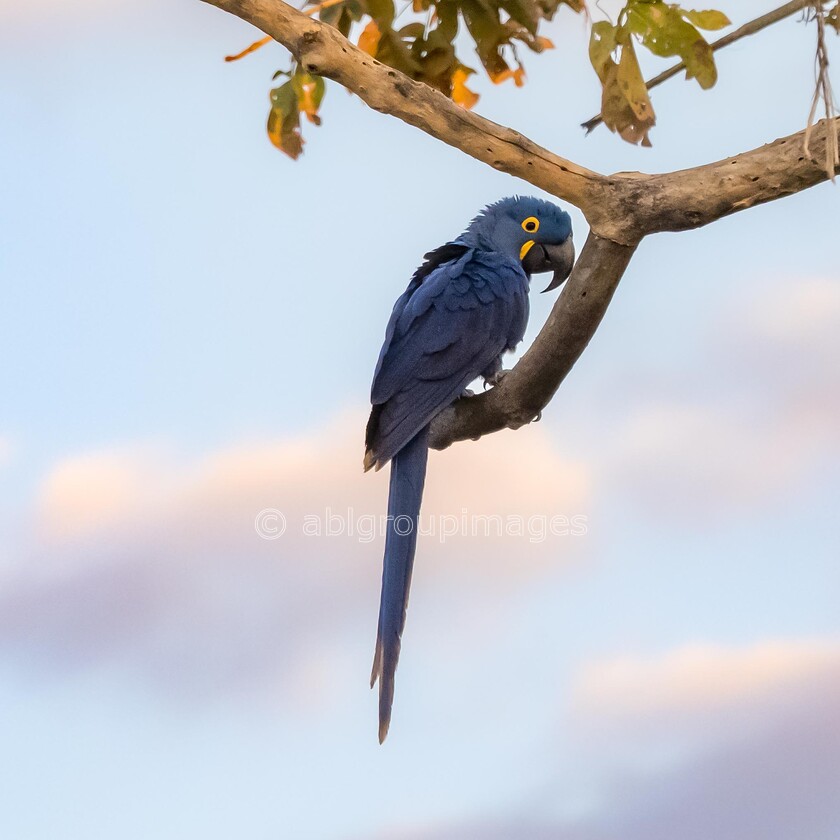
(525, 248)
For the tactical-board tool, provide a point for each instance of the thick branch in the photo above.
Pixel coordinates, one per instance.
(749, 28)
(691, 198)
(529, 387)
(322, 50)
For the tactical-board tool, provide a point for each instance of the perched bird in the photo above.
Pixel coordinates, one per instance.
(464, 307)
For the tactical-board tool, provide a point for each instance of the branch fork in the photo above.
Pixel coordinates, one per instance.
(621, 209)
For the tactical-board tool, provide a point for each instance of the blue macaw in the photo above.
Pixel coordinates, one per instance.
(464, 307)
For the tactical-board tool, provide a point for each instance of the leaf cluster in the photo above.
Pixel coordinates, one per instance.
(420, 40)
(833, 17)
(666, 30)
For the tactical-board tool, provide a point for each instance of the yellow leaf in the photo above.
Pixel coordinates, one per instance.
(369, 39)
(461, 94)
(308, 103)
(709, 19)
(517, 75)
(248, 50)
(284, 133)
(632, 83)
(625, 103)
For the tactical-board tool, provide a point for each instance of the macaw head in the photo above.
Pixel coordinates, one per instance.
(533, 231)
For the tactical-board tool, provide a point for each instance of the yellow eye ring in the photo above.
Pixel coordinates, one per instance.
(531, 224)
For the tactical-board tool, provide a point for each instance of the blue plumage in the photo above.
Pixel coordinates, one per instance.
(463, 309)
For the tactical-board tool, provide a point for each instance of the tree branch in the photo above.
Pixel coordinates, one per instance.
(322, 50)
(749, 28)
(529, 387)
(621, 209)
(691, 198)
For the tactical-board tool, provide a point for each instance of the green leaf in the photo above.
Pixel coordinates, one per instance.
(709, 19)
(632, 84)
(625, 104)
(602, 44)
(382, 11)
(700, 64)
(343, 15)
(284, 98)
(412, 31)
(663, 30)
(284, 120)
(309, 91)
(490, 35)
(524, 12)
(395, 52)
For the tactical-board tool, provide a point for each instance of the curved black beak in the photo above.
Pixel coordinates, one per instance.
(556, 258)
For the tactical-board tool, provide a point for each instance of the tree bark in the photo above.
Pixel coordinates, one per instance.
(691, 198)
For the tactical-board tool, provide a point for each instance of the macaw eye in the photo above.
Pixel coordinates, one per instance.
(531, 224)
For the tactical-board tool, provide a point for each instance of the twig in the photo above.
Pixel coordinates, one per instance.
(822, 91)
(749, 28)
(248, 50)
(327, 4)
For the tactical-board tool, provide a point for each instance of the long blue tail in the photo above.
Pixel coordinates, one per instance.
(408, 474)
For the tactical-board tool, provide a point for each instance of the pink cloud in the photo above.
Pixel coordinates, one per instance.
(150, 559)
(700, 679)
(766, 763)
(763, 413)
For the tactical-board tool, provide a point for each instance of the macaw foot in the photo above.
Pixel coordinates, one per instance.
(495, 379)
(519, 423)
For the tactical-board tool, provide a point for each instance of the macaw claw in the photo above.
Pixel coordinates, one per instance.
(496, 378)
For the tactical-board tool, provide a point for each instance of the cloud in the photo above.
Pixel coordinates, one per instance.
(773, 776)
(92, 492)
(700, 680)
(717, 741)
(762, 413)
(775, 780)
(143, 557)
(803, 312)
(693, 457)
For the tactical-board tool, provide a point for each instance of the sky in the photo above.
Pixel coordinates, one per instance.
(188, 326)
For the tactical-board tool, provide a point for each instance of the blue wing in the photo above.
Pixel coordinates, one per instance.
(449, 326)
